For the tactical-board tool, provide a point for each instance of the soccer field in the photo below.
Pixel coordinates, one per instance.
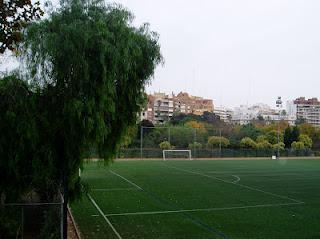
(201, 199)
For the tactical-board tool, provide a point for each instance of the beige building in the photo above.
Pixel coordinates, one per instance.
(161, 107)
(194, 104)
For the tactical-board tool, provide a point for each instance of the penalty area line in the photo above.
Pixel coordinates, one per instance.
(238, 184)
(104, 216)
(237, 178)
(125, 179)
(202, 209)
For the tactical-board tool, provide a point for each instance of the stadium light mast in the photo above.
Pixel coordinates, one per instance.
(279, 106)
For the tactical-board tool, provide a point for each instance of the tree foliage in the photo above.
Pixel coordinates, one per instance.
(14, 16)
(195, 145)
(272, 136)
(263, 145)
(165, 145)
(306, 140)
(291, 134)
(196, 125)
(307, 129)
(280, 146)
(17, 139)
(248, 143)
(88, 67)
(250, 131)
(297, 145)
(216, 141)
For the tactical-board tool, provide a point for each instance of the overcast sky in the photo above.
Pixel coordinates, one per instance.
(235, 51)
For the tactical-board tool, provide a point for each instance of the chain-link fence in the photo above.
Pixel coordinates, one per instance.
(155, 153)
(34, 220)
(207, 142)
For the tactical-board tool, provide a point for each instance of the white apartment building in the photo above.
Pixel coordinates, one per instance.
(291, 110)
(309, 110)
(225, 114)
(245, 114)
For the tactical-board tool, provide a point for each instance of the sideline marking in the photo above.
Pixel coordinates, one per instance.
(113, 189)
(202, 209)
(104, 216)
(240, 185)
(127, 180)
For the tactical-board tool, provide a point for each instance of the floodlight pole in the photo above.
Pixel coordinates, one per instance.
(278, 151)
(141, 141)
(194, 140)
(220, 142)
(279, 105)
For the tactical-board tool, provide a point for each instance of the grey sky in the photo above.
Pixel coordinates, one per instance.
(235, 51)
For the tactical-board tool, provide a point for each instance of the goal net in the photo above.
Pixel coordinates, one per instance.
(176, 154)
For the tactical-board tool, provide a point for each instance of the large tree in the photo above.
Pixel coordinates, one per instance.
(88, 67)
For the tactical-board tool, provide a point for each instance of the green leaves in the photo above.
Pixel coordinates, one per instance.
(87, 68)
(14, 16)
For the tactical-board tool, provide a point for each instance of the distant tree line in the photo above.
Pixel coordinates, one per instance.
(209, 132)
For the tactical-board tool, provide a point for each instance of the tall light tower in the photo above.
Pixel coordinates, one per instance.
(279, 107)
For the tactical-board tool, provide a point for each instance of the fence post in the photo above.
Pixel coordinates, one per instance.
(22, 222)
(61, 220)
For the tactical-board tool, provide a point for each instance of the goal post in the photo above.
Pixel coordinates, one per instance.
(176, 154)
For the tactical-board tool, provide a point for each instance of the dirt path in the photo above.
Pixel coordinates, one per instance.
(72, 231)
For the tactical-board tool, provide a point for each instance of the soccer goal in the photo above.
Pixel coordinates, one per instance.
(176, 154)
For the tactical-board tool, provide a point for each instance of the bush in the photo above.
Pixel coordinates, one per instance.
(165, 145)
(280, 145)
(195, 145)
(298, 145)
(263, 145)
(248, 143)
(306, 140)
(214, 142)
(262, 138)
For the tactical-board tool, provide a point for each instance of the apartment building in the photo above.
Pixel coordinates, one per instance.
(161, 106)
(224, 114)
(308, 109)
(245, 114)
(194, 104)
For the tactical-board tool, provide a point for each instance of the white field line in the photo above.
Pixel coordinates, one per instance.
(202, 209)
(240, 185)
(237, 178)
(104, 216)
(261, 173)
(125, 179)
(113, 189)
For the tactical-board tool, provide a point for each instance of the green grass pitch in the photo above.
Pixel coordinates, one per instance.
(201, 199)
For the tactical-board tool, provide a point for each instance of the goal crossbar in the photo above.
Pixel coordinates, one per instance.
(176, 150)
